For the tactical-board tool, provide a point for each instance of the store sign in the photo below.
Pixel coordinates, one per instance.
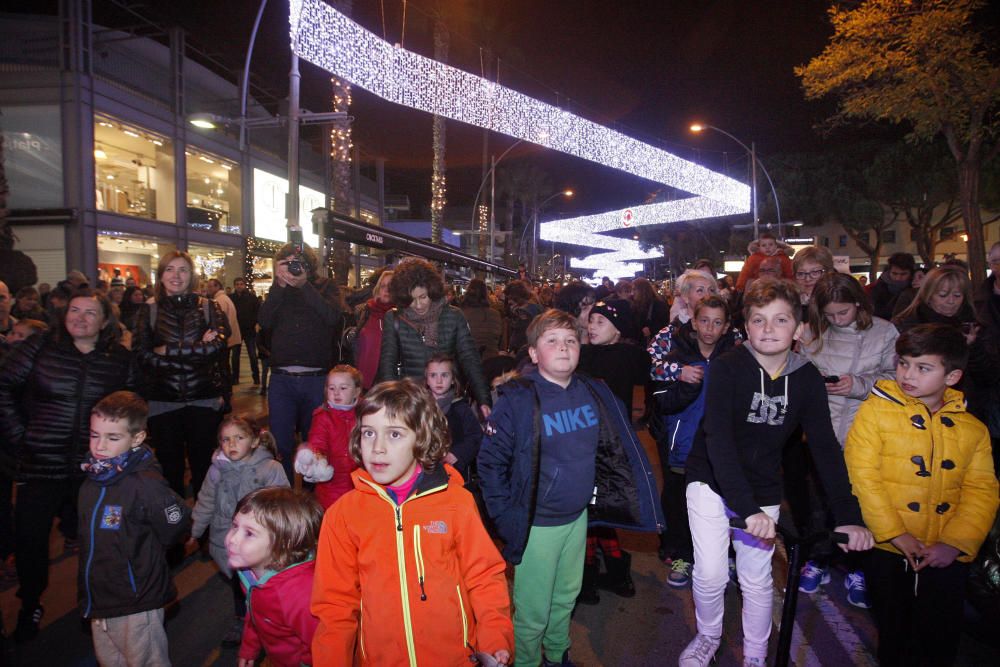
(372, 237)
(269, 192)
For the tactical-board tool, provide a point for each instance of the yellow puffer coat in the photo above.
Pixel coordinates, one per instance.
(927, 475)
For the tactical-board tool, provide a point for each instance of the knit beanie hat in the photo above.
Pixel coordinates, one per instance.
(618, 312)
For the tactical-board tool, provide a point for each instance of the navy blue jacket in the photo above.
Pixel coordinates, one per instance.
(508, 467)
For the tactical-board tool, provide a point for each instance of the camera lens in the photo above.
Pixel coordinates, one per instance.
(295, 267)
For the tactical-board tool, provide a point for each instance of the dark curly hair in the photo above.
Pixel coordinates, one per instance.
(517, 292)
(570, 297)
(415, 273)
(414, 405)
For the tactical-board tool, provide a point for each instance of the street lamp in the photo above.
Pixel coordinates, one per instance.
(491, 177)
(534, 226)
(754, 162)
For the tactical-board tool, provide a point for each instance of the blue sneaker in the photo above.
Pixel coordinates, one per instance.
(680, 574)
(856, 592)
(813, 576)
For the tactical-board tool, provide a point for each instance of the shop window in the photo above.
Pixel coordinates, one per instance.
(219, 262)
(269, 200)
(33, 155)
(129, 257)
(213, 192)
(134, 170)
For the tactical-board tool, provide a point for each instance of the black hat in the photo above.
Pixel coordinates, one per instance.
(618, 312)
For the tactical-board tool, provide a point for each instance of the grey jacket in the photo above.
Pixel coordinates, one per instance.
(226, 483)
(867, 356)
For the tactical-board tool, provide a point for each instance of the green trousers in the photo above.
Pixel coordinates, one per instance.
(546, 584)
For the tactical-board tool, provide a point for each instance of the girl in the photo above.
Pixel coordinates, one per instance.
(466, 433)
(406, 555)
(272, 545)
(326, 458)
(240, 465)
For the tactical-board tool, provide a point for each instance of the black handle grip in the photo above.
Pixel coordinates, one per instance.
(791, 536)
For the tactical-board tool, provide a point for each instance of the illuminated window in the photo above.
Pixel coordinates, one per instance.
(213, 192)
(134, 170)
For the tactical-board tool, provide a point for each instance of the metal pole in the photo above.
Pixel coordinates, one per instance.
(534, 244)
(245, 81)
(493, 202)
(753, 188)
(293, 144)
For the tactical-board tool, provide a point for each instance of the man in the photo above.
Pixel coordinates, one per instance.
(214, 291)
(247, 304)
(299, 318)
(6, 321)
(893, 284)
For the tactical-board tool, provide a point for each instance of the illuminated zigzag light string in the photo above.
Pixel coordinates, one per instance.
(324, 36)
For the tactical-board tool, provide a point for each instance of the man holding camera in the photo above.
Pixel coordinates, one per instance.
(299, 317)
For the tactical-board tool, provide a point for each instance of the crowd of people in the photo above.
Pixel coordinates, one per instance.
(445, 437)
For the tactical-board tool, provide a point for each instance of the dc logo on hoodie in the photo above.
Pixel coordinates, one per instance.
(766, 409)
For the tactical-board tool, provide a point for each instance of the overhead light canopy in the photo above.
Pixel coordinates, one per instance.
(205, 121)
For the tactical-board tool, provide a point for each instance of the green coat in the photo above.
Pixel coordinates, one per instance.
(402, 345)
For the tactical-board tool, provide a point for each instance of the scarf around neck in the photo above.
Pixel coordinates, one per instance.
(426, 324)
(102, 470)
(377, 308)
(444, 402)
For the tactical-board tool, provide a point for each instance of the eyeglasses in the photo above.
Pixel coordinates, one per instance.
(815, 273)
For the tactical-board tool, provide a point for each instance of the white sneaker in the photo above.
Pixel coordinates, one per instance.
(700, 652)
(754, 662)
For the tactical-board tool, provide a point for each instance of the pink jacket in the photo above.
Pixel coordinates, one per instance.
(278, 617)
(329, 436)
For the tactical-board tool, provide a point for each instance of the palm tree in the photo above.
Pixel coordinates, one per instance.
(438, 179)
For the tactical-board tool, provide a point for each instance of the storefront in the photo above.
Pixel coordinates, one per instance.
(133, 170)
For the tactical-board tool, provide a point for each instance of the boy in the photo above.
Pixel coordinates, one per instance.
(923, 470)
(757, 394)
(124, 582)
(682, 404)
(765, 246)
(538, 468)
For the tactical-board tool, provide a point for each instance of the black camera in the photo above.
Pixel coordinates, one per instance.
(296, 267)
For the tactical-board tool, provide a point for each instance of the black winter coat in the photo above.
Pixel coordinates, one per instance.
(126, 525)
(190, 370)
(402, 344)
(47, 389)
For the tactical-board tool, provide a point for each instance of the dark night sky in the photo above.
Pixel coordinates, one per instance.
(648, 67)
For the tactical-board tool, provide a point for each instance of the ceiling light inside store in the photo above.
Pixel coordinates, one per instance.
(220, 192)
(205, 159)
(207, 181)
(156, 142)
(110, 177)
(227, 167)
(100, 154)
(195, 201)
(131, 133)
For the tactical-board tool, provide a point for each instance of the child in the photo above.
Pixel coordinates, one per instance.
(272, 545)
(26, 328)
(765, 246)
(124, 581)
(622, 365)
(757, 394)
(405, 572)
(466, 433)
(923, 470)
(556, 444)
(682, 405)
(326, 458)
(244, 462)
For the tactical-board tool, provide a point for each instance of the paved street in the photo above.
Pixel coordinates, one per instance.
(650, 629)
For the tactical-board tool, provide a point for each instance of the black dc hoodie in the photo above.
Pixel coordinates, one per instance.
(749, 418)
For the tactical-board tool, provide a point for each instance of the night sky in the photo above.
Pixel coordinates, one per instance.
(648, 68)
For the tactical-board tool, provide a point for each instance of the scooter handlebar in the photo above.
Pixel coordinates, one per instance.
(789, 534)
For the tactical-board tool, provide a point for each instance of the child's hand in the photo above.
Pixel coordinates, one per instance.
(450, 459)
(191, 544)
(502, 656)
(911, 548)
(692, 374)
(859, 538)
(313, 467)
(485, 411)
(937, 555)
(760, 525)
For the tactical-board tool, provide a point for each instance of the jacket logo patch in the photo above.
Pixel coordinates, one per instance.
(112, 517)
(568, 421)
(766, 409)
(437, 528)
(173, 514)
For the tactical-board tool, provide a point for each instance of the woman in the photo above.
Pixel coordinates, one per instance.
(808, 266)
(422, 325)
(368, 340)
(651, 313)
(48, 385)
(692, 287)
(577, 299)
(852, 349)
(484, 321)
(132, 300)
(180, 341)
(945, 297)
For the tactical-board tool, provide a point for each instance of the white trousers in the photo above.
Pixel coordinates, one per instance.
(709, 517)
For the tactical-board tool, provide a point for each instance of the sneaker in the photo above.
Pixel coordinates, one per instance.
(856, 592)
(700, 652)
(813, 576)
(754, 662)
(565, 662)
(234, 635)
(680, 574)
(28, 622)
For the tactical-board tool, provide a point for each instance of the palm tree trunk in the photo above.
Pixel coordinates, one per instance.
(339, 260)
(438, 179)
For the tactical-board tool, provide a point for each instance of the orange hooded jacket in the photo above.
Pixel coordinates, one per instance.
(420, 583)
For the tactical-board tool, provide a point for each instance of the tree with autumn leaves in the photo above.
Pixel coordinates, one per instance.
(924, 64)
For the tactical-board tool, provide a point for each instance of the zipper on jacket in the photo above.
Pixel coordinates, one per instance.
(673, 437)
(420, 562)
(90, 556)
(361, 630)
(465, 620)
(131, 576)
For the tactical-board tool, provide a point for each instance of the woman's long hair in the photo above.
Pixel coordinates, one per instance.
(837, 287)
(948, 276)
(165, 259)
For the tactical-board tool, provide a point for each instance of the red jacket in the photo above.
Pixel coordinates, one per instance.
(278, 617)
(329, 436)
(416, 584)
(752, 266)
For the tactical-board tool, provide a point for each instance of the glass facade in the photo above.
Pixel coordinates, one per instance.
(213, 195)
(269, 194)
(221, 263)
(129, 256)
(33, 155)
(134, 170)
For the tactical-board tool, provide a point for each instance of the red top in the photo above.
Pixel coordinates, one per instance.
(330, 436)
